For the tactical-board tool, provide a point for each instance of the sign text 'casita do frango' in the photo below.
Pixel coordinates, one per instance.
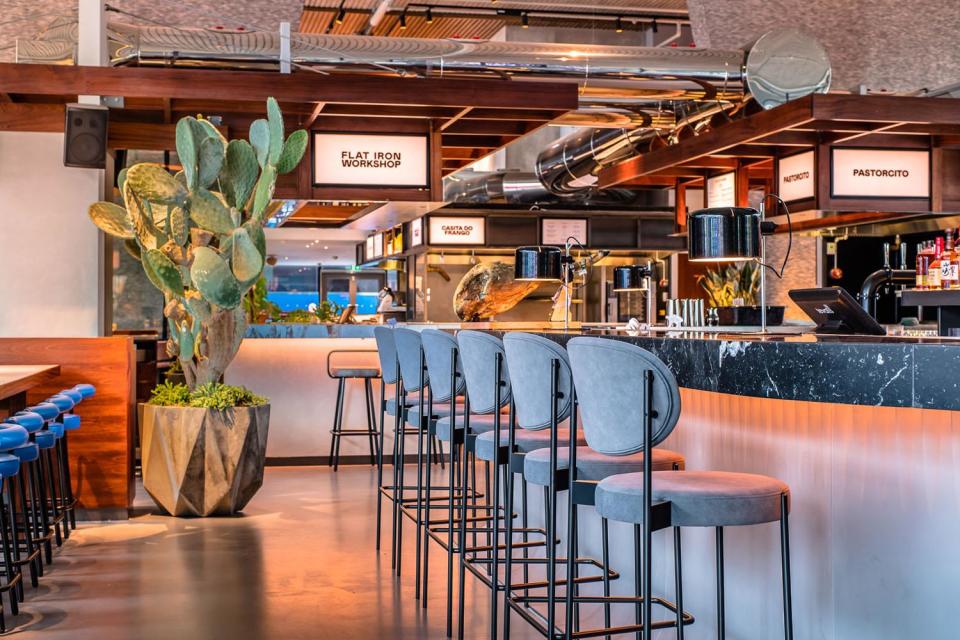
(370, 160)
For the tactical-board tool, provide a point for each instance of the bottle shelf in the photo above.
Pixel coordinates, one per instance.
(930, 297)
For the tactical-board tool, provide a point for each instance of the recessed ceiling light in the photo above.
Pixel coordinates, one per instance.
(325, 247)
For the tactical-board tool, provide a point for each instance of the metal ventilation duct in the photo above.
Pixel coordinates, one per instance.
(782, 65)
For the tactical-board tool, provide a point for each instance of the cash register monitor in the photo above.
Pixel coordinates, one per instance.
(836, 311)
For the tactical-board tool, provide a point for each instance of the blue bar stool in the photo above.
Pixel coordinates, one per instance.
(29, 455)
(342, 374)
(11, 437)
(48, 473)
(65, 401)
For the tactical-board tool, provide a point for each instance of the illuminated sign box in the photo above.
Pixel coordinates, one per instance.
(879, 173)
(416, 232)
(463, 231)
(370, 160)
(722, 190)
(796, 176)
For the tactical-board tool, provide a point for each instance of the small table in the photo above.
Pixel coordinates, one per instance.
(17, 379)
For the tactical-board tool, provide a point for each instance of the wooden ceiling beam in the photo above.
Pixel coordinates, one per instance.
(488, 127)
(471, 142)
(143, 82)
(451, 121)
(317, 109)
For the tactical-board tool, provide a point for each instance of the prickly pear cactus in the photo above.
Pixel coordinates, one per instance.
(199, 233)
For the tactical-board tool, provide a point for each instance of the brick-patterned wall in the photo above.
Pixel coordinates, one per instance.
(24, 18)
(883, 44)
(800, 273)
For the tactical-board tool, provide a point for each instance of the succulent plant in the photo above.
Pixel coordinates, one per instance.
(738, 284)
(199, 233)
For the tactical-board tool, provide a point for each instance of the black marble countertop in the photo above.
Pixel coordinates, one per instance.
(889, 372)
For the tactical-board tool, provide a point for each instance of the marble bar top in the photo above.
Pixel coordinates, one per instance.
(921, 373)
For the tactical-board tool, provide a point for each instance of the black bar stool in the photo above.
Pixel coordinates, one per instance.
(344, 373)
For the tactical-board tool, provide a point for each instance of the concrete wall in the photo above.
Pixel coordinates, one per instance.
(882, 44)
(49, 254)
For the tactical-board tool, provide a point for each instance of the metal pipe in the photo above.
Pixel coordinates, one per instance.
(879, 278)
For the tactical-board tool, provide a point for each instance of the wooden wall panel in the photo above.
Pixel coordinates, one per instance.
(101, 452)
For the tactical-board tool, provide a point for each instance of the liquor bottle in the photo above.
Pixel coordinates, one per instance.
(933, 272)
(924, 255)
(949, 267)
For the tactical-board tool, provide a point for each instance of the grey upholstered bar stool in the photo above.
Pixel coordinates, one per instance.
(343, 373)
(607, 374)
(415, 379)
(533, 361)
(390, 375)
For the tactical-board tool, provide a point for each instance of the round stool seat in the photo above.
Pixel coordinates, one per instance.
(63, 402)
(86, 390)
(479, 423)
(698, 498)
(48, 410)
(45, 439)
(12, 436)
(28, 420)
(526, 440)
(74, 395)
(592, 465)
(27, 453)
(71, 421)
(56, 428)
(354, 372)
(9, 465)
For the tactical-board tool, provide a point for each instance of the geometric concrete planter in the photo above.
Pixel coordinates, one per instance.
(202, 462)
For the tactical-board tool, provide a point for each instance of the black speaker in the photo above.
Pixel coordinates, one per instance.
(85, 142)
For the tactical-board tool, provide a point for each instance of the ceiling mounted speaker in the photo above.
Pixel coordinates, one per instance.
(85, 139)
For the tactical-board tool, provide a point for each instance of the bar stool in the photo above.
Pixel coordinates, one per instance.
(414, 377)
(29, 455)
(49, 482)
(65, 401)
(9, 468)
(342, 374)
(605, 373)
(390, 374)
(542, 394)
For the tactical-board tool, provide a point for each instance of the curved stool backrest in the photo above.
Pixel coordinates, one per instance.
(409, 349)
(438, 348)
(478, 354)
(608, 375)
(531, 361)
(387, 353)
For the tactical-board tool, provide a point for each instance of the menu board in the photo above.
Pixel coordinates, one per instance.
(368, 248)
(378, 245)
(557, 230)
(722, 190)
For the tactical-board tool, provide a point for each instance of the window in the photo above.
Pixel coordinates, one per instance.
(359, 288)
(293, 287)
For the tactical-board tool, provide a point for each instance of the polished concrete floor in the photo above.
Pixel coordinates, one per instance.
(300, 563)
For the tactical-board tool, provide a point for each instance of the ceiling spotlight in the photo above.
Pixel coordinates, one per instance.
(525, 20)
(619, 24)
(341, 14)
(429, 16)
(655, 29)
(325, 247)
(403, 20)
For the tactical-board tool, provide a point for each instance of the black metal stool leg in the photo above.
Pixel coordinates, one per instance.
(382, 436)
(605, 544)
(678, 581)
(8, 495)
(57, 458)
(39, 479)
(337, 425)
(54, 500)
(721, 623)
(28, 528)
(397, 515)
(371, 420)
(8, 563)
(785, 559)
(68, 482)
(638, 575)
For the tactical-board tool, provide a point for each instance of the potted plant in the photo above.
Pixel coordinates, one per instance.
(735, 293)
(199, 235)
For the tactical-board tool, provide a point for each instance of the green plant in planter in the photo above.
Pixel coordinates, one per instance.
(258, 307)
(737, 283)
(212, 395)
(199, 233)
